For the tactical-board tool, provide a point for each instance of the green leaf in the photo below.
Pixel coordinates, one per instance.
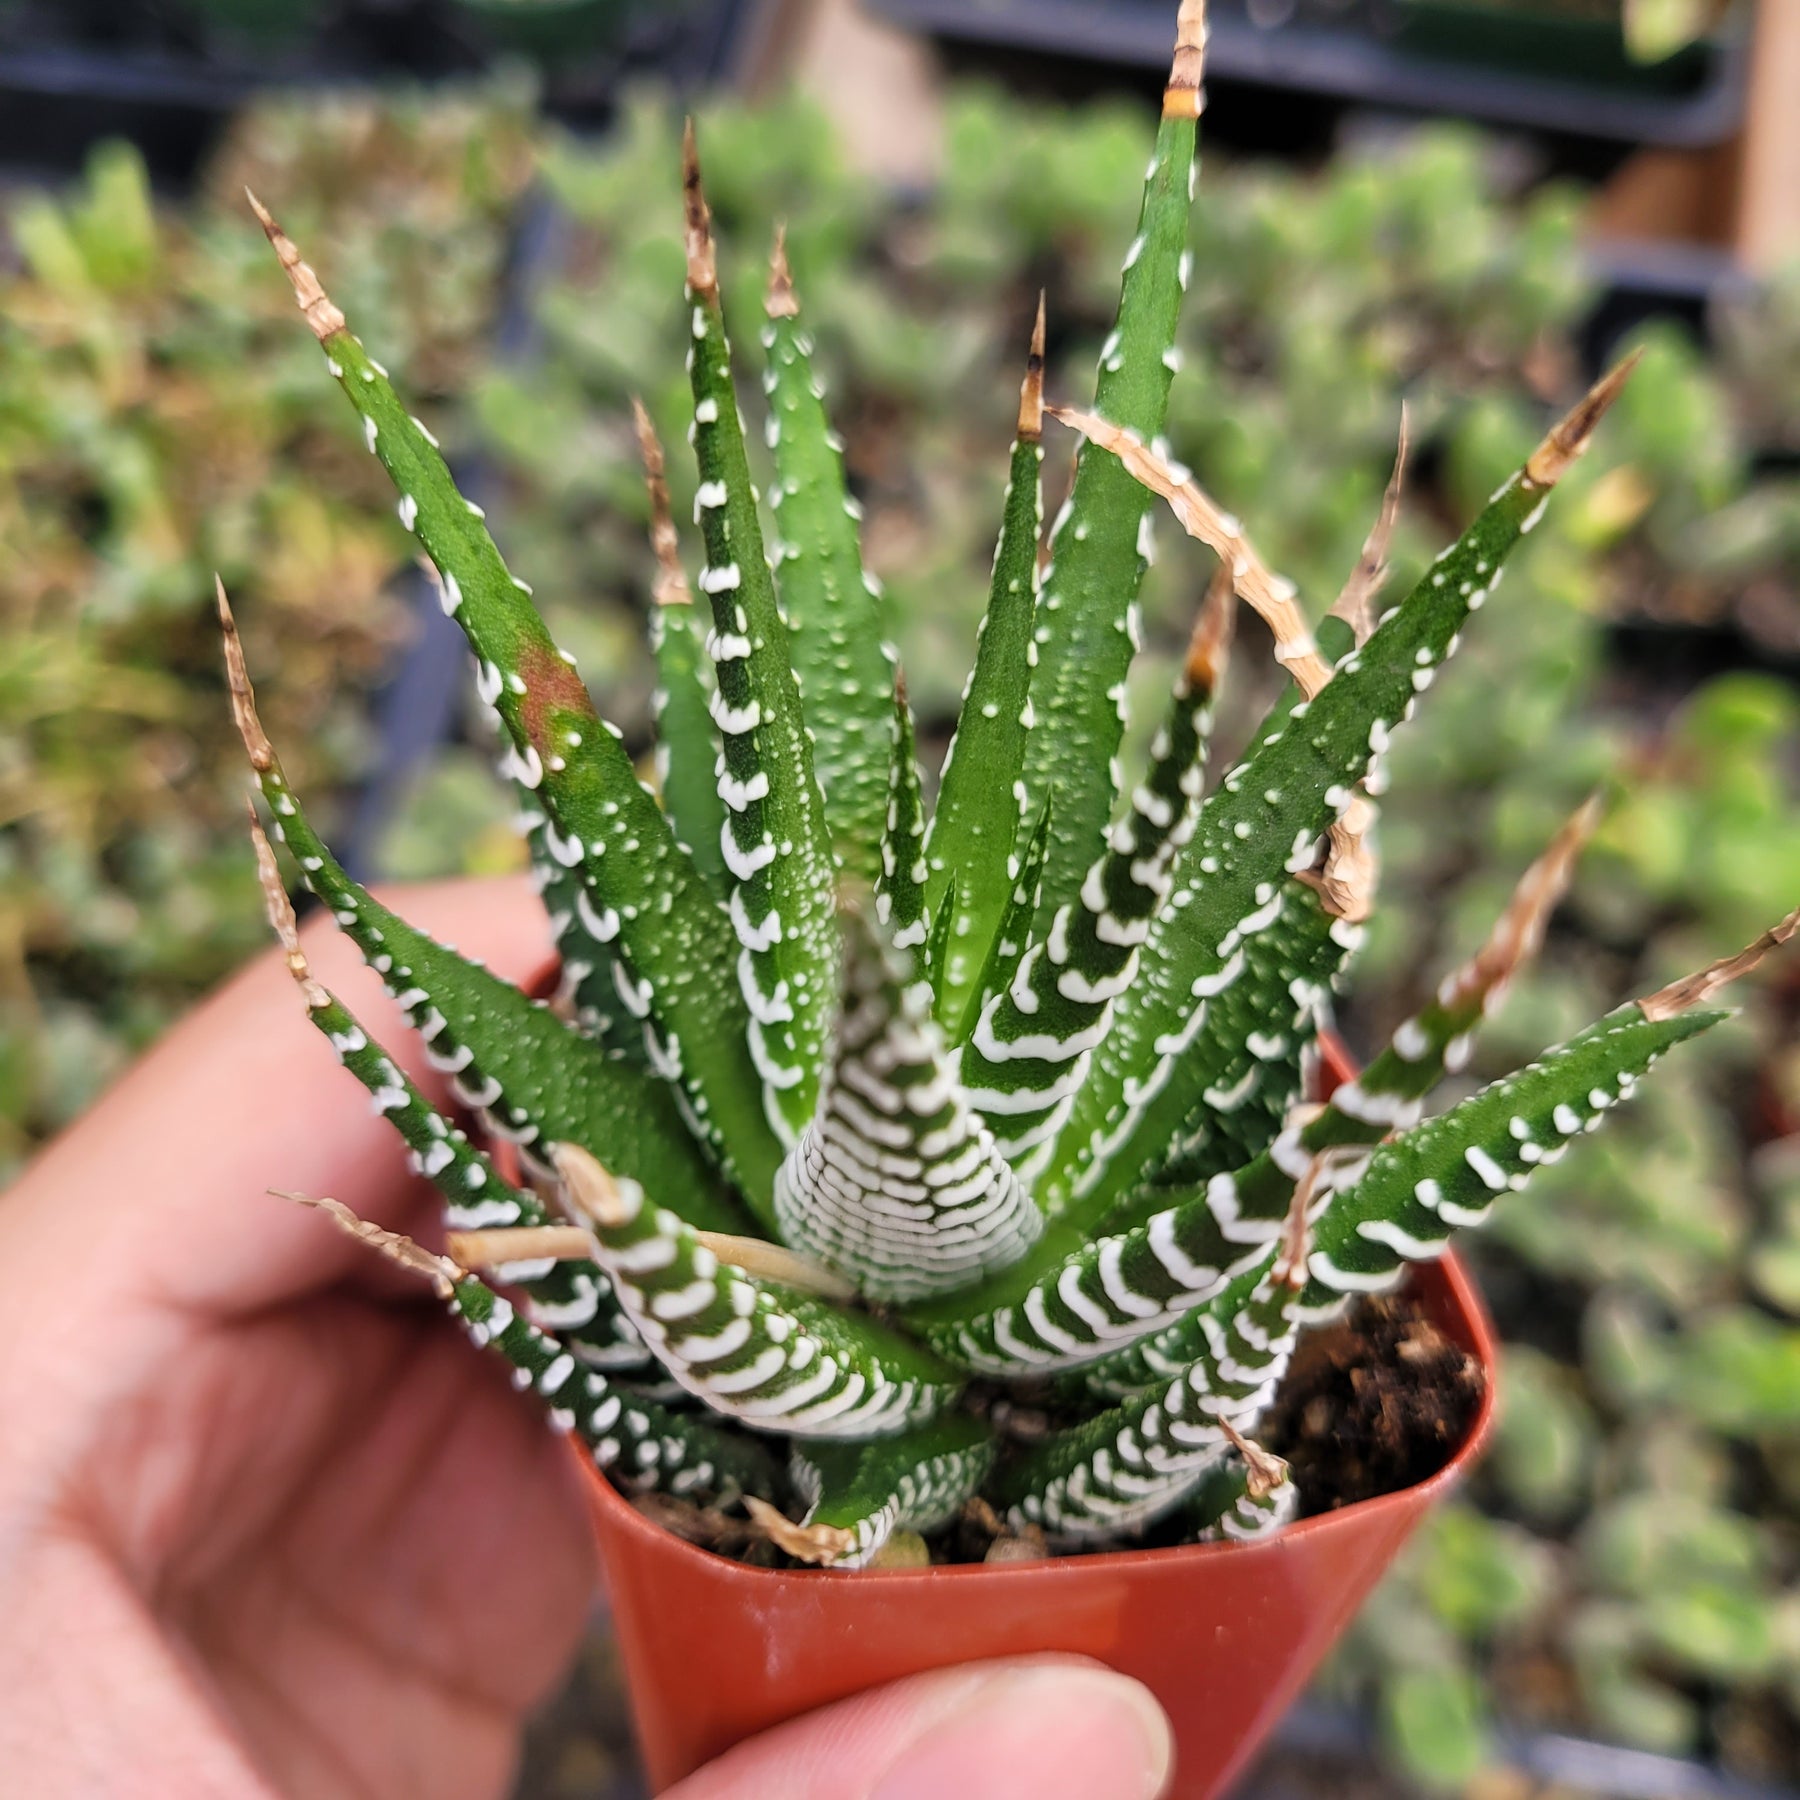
(756, 1350)
(969, 850)
(1086, 632)
(859, 1495)
(844, 665)
(687, 746)
(605, 823)
(636, 1438)
(900, 894)
(1263, 823)
(539, 1080)
(779, 847)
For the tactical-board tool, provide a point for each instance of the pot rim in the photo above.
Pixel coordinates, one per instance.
(624, 1519)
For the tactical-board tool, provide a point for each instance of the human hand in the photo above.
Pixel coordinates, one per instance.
(270, 1525)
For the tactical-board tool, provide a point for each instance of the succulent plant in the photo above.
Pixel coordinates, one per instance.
(853, 1125)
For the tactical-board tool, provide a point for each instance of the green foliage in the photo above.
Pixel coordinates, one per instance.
(136, 458)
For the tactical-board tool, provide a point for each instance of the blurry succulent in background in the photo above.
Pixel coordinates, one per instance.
(134, 458)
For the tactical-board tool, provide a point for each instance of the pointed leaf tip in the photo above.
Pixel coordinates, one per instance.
(1356, 604)
(399, 1249)
(702, 267)
(1182, 98)
(780, 302)
(1696, 989)
(237, 682)
(315, 304)
(671, 587)
(1209, 645)
(1031, 390)
(1266, 1471)
(592, 1192)
(280, 911)
(1570, 435)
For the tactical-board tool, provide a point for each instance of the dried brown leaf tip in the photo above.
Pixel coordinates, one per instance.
(1569, 436)
(314, 302)
(1209, 644)
(805, 1543)
(671, 580)
(1518, 933)
(1182, 98)
(1031, 390)
(1289, 1268)
(592, 1192)
(399, 1249)
(1352, 870)
(237, 681)
(1356, 604)
(780, 302)
(1698, 988)
(1269, 594)
(702, 266)
(775, 1262)
(280, 912)
(1266, 1471)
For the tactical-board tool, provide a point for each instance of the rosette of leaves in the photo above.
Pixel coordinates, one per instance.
(855, 1122)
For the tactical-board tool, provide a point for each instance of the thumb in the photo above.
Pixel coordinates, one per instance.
(1031, 1728)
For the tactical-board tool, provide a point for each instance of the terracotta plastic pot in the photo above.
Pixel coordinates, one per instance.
(1225, 1635)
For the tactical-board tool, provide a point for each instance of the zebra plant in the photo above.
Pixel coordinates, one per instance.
(861, 1136)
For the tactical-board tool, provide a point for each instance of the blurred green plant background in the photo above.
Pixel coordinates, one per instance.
(1628, 1563)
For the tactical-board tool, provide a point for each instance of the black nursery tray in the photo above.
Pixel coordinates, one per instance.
(69, 79)
(1355, 55)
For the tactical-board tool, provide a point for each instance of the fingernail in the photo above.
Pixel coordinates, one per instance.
(1054, 1731)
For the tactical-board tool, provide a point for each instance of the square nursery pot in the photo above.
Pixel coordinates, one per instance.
(1225, 1634)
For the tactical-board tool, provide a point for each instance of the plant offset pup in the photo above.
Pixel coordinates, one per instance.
(847, 1116)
